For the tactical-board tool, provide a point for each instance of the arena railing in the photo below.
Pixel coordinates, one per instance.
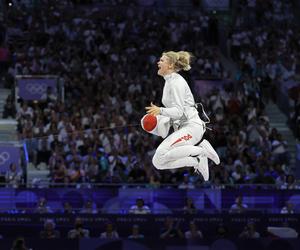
(26, 210)
(46, 184)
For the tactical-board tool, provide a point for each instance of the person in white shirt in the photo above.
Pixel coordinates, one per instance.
(139, 207)
(238, 207)
(78, 231)
(136, 233)
(249, 232)
(110, 232)
(89, 208)
(193, 232)
(178, 149)
(288, 208)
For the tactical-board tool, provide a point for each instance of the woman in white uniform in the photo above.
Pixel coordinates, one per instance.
(179, 149)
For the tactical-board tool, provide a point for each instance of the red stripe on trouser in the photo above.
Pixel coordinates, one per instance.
(186, 138)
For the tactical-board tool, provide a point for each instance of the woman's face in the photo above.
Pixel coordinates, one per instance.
(164, 66)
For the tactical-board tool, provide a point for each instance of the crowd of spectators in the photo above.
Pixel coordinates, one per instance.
(265, 44)
(294, 115)
(107, 61)
(90, 207)
(170, 228)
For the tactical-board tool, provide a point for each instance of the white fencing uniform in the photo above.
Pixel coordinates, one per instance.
(178, 149)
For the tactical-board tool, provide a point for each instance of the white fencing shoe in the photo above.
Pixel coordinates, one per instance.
(202, 167)
(210, 152)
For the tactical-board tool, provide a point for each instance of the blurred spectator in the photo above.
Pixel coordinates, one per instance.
(91, 168)
(67, 208)
(189, 207)
(171, 231)
(42, 207)
(238, 175)
(4, 51)
(89, 208)
(295, 115)
(154, 181)
(49, 231)
(281, 179)
(13, 176)
(19, 244)
(186, 184)
(288, 208)
(43, 149)
(279, 150)
(290, 183)
(139, 207)
(110, 232)
(221, 231)
(49, 96)
(59, 175)
(136, 233)
(238, 207)
(193, 232)
(9, 110)
(249, 232)
(79, 231)
(137, 175)
(25, 111)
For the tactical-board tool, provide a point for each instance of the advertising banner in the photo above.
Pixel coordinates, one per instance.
(31, 89)
(8, 155)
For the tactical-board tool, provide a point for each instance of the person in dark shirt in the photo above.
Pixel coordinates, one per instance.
(78, 232)
(189, 207)
(49, 231)
(19, 244)
(169, 231)
(221, 231)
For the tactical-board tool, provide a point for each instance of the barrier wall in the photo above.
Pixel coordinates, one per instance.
(116, 200)
(29, 225)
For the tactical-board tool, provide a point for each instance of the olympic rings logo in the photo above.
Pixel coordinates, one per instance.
(36, 88)
(4, 157)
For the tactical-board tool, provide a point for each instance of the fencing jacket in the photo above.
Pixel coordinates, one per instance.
(179, 101)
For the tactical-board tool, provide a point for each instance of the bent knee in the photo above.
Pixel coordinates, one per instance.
(158, 161)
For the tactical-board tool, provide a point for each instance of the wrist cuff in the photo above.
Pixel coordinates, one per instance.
(161, 111)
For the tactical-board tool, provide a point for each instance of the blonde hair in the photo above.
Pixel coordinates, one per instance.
(181, 59)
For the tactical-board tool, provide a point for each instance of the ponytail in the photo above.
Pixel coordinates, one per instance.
(181, 59)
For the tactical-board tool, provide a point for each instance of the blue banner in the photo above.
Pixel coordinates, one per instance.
(35, 88)
(8, 155)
